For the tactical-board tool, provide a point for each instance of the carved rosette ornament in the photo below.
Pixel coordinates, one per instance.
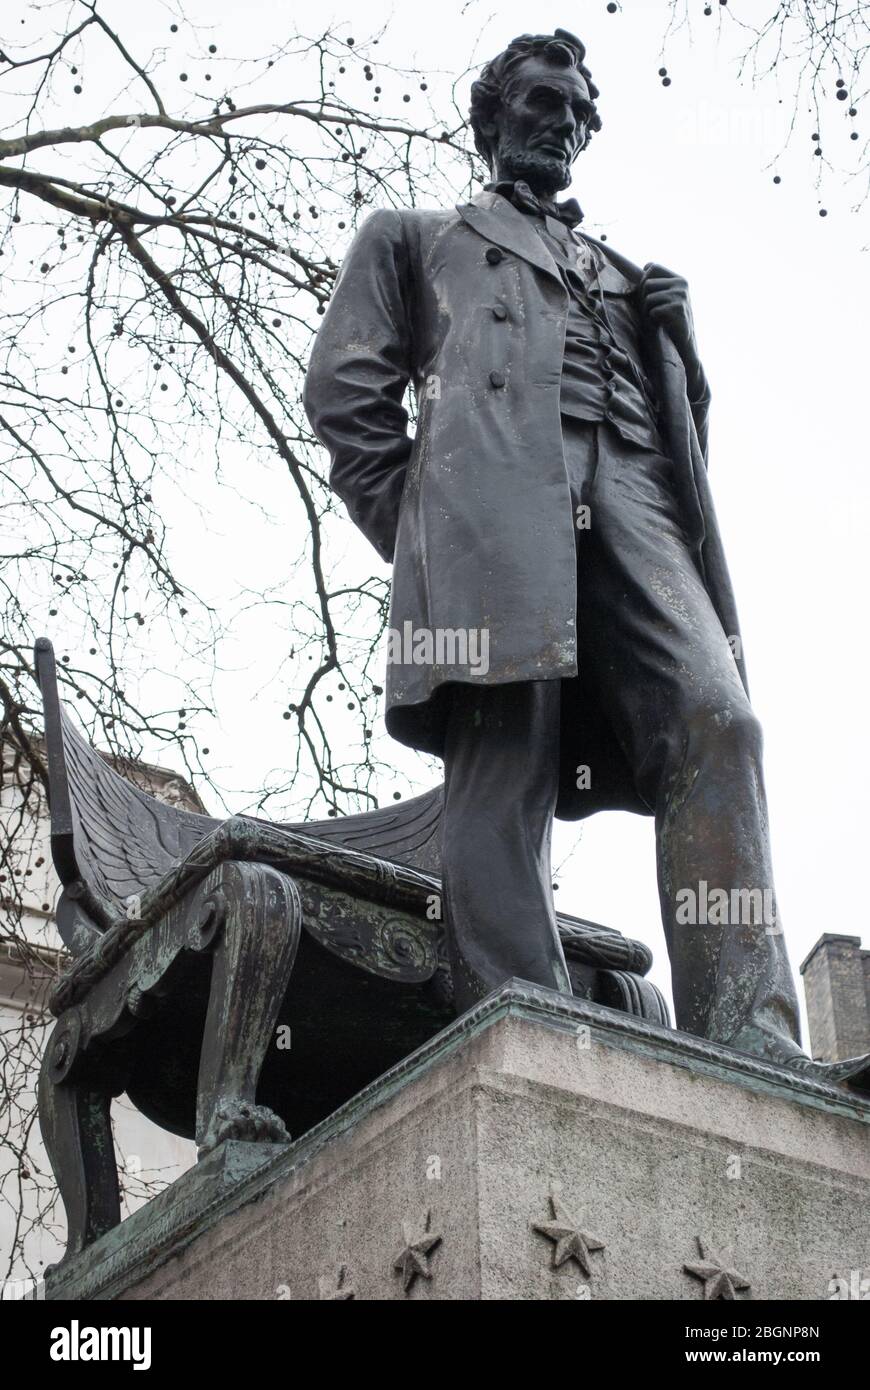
(208, 921)
(63, 1049)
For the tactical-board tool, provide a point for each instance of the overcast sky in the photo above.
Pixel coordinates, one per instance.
(684, 176)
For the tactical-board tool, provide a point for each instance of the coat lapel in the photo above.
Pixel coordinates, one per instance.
(498, 221)
(681, 427)
(625, 267)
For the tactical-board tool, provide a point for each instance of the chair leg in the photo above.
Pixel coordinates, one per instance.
(75, 1119)
(253, 915)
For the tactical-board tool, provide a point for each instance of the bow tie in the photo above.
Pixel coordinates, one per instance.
(523, 198)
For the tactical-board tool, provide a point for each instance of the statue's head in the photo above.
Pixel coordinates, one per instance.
(533, 110)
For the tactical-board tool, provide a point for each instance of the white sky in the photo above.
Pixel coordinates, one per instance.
(684, 176)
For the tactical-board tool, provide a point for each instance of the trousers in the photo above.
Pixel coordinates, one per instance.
(653, 650)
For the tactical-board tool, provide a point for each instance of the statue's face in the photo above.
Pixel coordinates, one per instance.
(540, 126)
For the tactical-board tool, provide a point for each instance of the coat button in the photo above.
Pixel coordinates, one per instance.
(494, 255)
(496, 379)
(499, 313)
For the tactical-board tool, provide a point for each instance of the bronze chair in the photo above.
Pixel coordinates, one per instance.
(197, 943)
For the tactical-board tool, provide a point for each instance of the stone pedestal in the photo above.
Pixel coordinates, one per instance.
(540, 1148)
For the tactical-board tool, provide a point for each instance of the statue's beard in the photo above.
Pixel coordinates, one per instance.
(544, 173)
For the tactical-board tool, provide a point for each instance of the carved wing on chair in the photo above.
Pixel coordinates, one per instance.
(124, 857)
(111, 840)
(106, 835)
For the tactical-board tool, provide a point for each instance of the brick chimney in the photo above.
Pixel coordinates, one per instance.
(837, 986)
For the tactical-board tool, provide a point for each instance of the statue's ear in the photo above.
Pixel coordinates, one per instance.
(489, 130)
(489, 124)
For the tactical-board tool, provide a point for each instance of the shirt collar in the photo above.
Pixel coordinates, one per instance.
(517, 191)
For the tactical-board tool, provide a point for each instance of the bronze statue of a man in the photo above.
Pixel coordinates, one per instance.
(567, 639)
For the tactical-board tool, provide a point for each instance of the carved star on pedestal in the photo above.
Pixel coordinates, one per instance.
(721, 1280)
(569, 1242)
(340, 1288)
(413, 1259)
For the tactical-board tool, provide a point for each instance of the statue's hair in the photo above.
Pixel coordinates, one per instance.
(561, 49)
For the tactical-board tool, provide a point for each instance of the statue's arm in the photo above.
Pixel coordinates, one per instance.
(359, 369)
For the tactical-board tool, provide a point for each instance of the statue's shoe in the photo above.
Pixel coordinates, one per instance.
(853, 1072)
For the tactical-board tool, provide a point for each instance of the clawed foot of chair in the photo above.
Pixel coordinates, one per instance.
(238, 1120)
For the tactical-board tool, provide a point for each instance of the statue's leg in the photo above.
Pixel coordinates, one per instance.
(255, 916)
(665, 673)
(74, 1117)
(501, 766)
